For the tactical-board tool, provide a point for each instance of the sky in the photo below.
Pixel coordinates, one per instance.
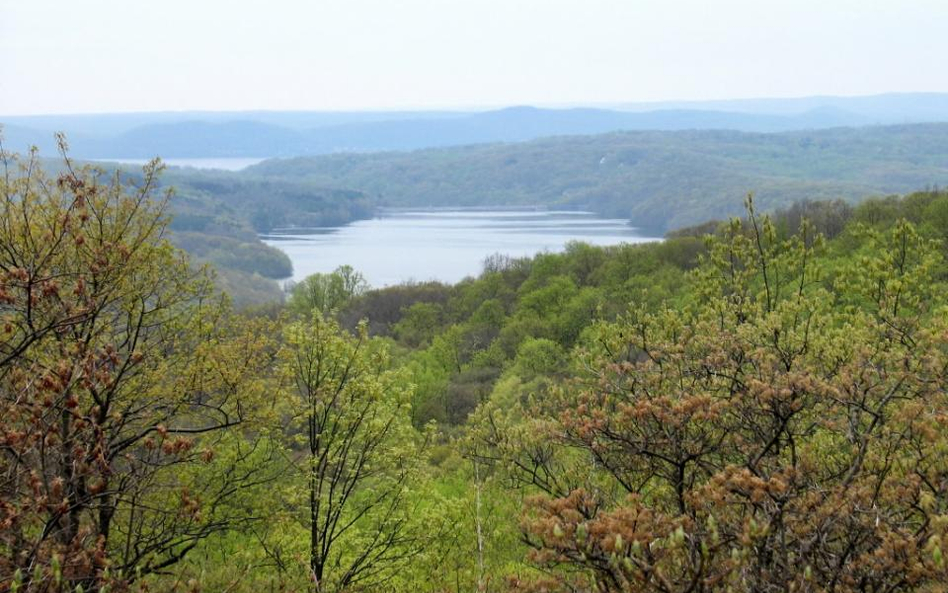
(95, 56)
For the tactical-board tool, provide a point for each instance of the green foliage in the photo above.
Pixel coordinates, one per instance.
(539, 356)
(130, 396)
(266, 202)
(357, 459)
(247, 290)
(736, 441)
(231, 253)
(658, 180)
(756, 404)
(419, 324)
(326, 293)
(216, 217)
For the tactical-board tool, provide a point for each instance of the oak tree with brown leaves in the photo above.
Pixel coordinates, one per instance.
(785, 431)
(122, 382)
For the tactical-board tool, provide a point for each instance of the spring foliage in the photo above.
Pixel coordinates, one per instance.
(784, 432)
(757, 405)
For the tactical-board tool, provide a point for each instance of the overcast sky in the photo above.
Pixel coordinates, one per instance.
(74, 56)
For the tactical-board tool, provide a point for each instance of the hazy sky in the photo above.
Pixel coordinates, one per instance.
(70, 56)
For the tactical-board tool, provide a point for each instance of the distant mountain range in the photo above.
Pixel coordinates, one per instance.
(286, 134)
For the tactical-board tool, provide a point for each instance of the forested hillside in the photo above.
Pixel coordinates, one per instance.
(659, 180)
(751, 405)
(216, 217)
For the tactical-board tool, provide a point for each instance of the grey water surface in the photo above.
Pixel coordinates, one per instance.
(444, 245)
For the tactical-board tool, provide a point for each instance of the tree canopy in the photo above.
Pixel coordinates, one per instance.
(756, 404)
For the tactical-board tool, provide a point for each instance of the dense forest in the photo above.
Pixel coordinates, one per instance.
(218, 215)
(757, 404)
(660, 180)
(217, 218)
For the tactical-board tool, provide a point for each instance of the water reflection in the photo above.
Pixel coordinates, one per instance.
(444, 245)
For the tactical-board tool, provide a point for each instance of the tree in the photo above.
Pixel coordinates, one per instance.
(419, 324)
(121, 379)
(326, 293)
(783, 433)
(359, 456)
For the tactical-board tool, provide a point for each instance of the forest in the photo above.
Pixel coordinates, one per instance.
(218, 215)
(660, 180)
(217, 218)
(753, 404)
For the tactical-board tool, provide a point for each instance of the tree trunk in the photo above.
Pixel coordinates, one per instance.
(480, 533)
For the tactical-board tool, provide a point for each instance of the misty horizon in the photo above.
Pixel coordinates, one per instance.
(723, 103)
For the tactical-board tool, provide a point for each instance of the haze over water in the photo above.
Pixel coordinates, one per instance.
(444, 245)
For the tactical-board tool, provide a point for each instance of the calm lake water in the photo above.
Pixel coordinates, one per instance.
(445, 245)
(225, 164)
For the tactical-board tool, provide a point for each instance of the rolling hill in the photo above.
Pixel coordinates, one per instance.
(286, 134)
(658, 179)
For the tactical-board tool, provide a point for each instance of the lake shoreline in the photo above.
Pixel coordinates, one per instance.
(442, 244)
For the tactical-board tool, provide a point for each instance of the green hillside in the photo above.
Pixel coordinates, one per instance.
(660, 180)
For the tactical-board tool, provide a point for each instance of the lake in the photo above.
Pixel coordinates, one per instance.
(446, 245)
(225, 164)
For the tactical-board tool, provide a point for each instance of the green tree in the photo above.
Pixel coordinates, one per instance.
(326, 293)
(419, 324)
(359, 456)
